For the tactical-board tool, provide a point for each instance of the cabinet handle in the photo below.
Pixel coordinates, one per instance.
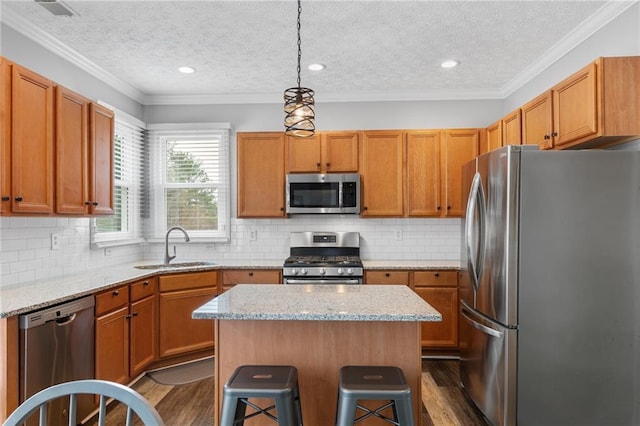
(281, 209)
(87, 203)
(146, 283)
(135, 314)
(18, 199)
(5, 198)
(438, 208)
(437, 274)
(116, 292)
(317, 164)
(387, 274)
(554, 134)
(547, 137)
(250, 274)
(448, 207)
(328, 164)
(95, 203)
(365, 208)
(128, 316)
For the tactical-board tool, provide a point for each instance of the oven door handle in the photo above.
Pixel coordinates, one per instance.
(337, 282)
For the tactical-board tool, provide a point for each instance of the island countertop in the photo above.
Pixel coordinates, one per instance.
(319, 303)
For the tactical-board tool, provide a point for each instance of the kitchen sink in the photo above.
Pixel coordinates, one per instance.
(174, 265)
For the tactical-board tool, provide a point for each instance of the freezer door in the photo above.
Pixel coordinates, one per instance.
(488, 366)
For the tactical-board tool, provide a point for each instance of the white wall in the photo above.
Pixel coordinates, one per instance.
(25, 253)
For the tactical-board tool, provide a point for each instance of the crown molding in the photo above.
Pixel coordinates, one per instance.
(608, 12)
(53, 45)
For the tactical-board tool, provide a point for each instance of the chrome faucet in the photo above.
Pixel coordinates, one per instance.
(168, 258)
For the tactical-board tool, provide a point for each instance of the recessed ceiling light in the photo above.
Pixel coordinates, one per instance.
(451, 63)
(317, 67)
(187, 70)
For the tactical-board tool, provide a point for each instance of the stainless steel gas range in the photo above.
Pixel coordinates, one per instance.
(323, 258)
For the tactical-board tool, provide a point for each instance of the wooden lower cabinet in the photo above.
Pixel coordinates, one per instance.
(126, 319)
(386, 277)
(180, 295)
(440, 290)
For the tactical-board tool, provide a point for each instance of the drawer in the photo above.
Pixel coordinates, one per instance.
(250, 276)
(112, 299)
(189, 280)
(386, 277)
(141, 289)
(435, 278)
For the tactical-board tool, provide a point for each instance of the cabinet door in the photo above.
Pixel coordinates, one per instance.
(459, 147)
(179, 333)
(493, 137)
(339, 152)
(303, 154)
(72, 179)
(574, 107)
(423, 174)
(5, 136)
(381, 164)
(101, 160)
(512, 128)
(537, 121)
(261, 175)
(443, 334)
(112, 346)
(32, 146)
(143, 333)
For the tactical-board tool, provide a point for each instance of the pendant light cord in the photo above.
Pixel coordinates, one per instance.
(299, 41)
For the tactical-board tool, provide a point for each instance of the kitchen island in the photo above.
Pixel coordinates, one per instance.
(318, 329)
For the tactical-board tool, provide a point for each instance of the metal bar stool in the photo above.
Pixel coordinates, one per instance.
(277, 382)
(373, 383)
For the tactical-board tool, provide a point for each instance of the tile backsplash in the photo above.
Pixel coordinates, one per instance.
(26, 252)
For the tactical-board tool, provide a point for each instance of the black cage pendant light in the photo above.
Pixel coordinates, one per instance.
(299, 105)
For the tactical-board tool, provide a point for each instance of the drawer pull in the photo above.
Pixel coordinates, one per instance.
(437, 274)
(116, 292)
(387, 274)
(250, 274)
(146, 283)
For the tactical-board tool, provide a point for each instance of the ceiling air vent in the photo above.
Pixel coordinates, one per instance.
(56, 7)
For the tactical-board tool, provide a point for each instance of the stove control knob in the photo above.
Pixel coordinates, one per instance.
(303, 271)
(323, 271)
(349, 271)
(340, 271)
(294, 271)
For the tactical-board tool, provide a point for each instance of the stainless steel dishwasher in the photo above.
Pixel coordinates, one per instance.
(56, 346)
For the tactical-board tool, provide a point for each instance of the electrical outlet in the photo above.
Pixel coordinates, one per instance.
(398, 234)
(107, 251)
(253, 234)
(55, 241)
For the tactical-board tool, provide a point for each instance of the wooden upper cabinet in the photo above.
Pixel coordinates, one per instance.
(382, 173)
(459, 146)
(72, 176)
(423, 173)
(493, 137)
(537, 121)
(32, 142)
(101, 134)
(326, 152)
(5, 136)
(261, 174)
(512, 128)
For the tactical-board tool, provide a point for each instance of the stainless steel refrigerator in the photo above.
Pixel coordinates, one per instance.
(550, 290)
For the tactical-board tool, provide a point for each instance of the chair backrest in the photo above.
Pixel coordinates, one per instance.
(135, 402)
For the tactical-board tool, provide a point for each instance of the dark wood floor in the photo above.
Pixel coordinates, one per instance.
(444, 403)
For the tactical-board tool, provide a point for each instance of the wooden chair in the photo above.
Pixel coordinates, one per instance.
(135, 402)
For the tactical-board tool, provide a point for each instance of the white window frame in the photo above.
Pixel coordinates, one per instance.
(160, 133)
(134, 233)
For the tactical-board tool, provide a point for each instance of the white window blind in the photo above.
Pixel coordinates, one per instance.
(190, 180)
(129, 184)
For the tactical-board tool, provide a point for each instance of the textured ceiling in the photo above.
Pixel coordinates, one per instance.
(372, 49)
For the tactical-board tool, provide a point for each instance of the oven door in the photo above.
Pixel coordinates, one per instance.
(318, 281)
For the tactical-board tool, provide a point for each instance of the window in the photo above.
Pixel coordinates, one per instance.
(190, 180)
(124, 226)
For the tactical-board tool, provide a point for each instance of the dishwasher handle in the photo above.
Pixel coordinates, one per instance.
(61, 322)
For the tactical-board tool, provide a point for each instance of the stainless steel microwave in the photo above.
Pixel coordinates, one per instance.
(316, 193)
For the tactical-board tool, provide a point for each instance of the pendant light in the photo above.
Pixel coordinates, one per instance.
(298, 103)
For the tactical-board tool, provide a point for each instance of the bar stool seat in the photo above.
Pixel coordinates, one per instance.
(276, 382)
(383, 383)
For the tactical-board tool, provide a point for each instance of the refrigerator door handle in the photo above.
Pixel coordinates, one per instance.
(466, 313)
(476, 200)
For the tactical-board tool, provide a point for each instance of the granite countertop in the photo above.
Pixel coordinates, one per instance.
(31, 296)
(319, 303)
